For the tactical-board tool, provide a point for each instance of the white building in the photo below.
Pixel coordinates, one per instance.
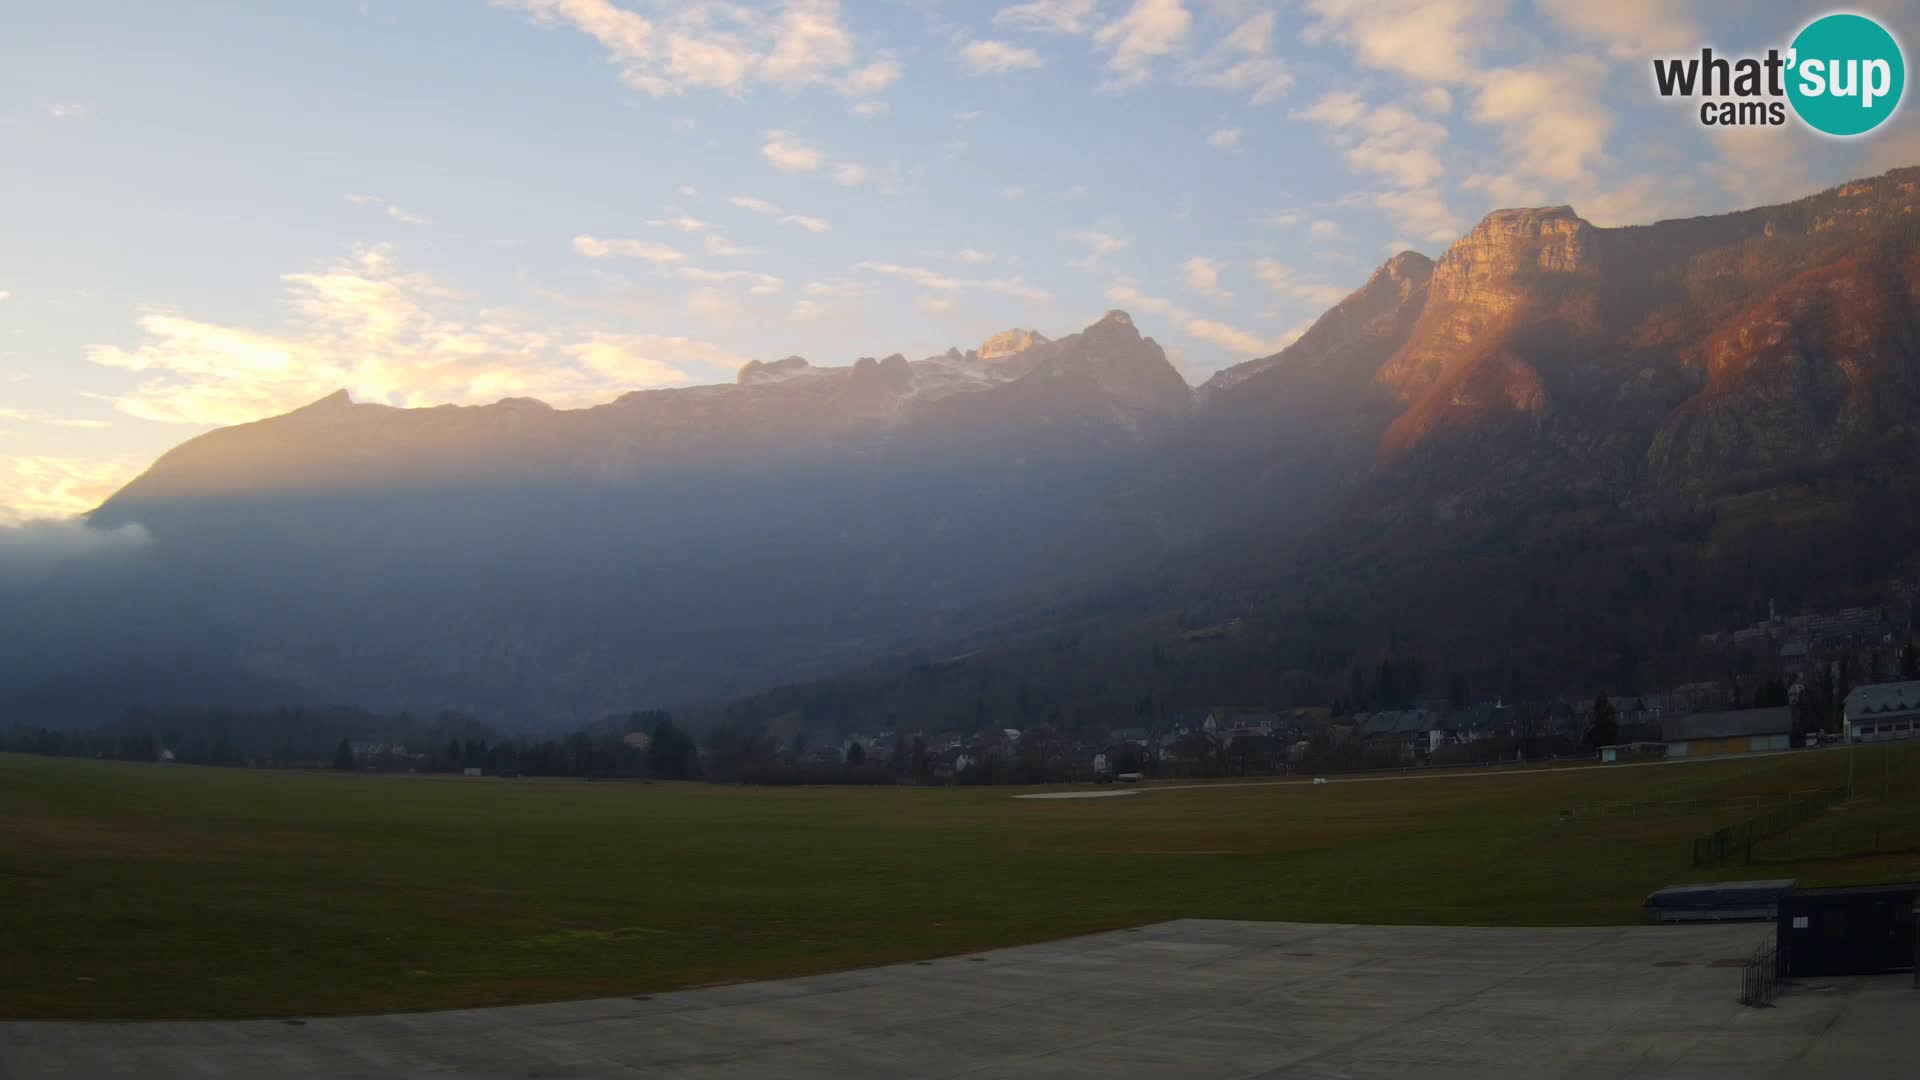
(1881, 711)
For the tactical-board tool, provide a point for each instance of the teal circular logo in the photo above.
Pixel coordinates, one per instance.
(1847, 74)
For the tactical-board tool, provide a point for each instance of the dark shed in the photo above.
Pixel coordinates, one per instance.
(1857, 930)
(1723, 900)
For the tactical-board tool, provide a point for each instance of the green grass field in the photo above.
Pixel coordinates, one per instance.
(149, 891)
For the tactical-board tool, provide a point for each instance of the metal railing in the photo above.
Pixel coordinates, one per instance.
(1760, 977)
(1723, 845)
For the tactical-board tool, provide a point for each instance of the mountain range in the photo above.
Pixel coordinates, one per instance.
(1557, 447)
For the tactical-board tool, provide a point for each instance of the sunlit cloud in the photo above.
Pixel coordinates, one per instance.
(38, 487)
(728, 48)
(594, 247)
(385, 336)
(405, 217)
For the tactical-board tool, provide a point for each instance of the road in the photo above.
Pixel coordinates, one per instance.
(1193, 998)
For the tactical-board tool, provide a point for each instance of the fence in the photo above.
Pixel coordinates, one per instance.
(1760, 977)
(1649, 809)
(1722, 845)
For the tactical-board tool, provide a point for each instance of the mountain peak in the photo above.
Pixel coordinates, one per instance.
(1116, 317)
(1009, 342)
(759, 371)
(339, 399)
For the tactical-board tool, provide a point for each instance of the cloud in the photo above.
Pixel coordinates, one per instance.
(762, 284)
(714, 306)
(1012, 191)
(1239, 61)
(1148, 31)
(1632, 29)
(1431, 41)
(594, 247)
(1230, 338)
(849, 173)
(386, 336)
(681, 222)
(938, 281)
(870, 80)
(1386, 140)
(35, 416)
(935, 305)
(1553, 125)
(725, 47)
(987, 57)
(867, 110)
(1225, 139)
(789, 153)
(1324, 229)
(1126, 294)
(972, 256)
(766, 209)
(1279, 218)
(66, 110)
(32, 550)
(36, 488)
(405, 217)
(1422, 212)
(717, 244)
(1047, 16)
(1099, 245)
(1753, 167)
(840, 289)
(1202, 275)
(1287, 282)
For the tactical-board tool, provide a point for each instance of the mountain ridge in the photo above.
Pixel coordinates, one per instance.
(1541, 379)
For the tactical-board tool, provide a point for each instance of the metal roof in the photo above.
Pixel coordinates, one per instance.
(1875, 699)
(1730, 724)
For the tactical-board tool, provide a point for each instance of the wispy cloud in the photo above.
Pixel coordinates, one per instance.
(766, 209)
(1148, 31)
(594, 247)
(938, 281)
(1202, 275)
(790, 153)
(729, 48)
(1286, 282)
(1047, 16)
(760, 284)
(38, 487)
(35, 416)
(406, 217)
(988, 57)
(1099, 245)
(1241, 343)
(388, 336)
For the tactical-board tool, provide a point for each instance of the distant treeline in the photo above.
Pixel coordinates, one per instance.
(346, 737)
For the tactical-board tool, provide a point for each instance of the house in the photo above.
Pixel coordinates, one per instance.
(1734, 731)
(1878, 712)
(1230, 720)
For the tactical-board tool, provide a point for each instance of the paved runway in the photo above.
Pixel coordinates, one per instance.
(1193, 998)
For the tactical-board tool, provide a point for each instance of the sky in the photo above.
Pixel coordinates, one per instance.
(213, 212)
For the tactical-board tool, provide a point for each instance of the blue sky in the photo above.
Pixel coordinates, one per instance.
(213, 212)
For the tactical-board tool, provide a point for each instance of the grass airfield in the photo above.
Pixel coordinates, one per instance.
(137, 891)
